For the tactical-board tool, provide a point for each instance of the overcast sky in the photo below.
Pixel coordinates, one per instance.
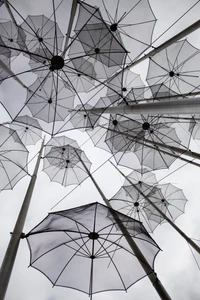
(175, 265)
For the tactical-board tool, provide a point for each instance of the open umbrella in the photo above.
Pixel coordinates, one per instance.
(89, 236)
(28, 129)
(63, 161)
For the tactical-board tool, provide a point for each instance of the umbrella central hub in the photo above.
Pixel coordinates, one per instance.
(67, 161)
(136, 204)
(113, 27)
(163, 200)
(11, 40)
(93, 235)
(40, 39)
(171, 73)
(57, 63)
(92, 257)
(146, 126)
(50, 101)
(124, 89)
(115, 122)
(97, 50)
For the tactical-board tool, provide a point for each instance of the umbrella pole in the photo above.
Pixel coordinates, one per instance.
(177, 107)
(11, 252)
(72, 16)
(192, 244)
(144, 263)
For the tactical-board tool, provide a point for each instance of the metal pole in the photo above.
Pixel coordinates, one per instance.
(144, 263)
(72, 16)
(177, 107)
(192, 244)
(10, 255)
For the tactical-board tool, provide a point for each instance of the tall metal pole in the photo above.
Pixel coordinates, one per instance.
(144, 263)
(192, 244)
(171, 107)
(10, 255)
(71, 21)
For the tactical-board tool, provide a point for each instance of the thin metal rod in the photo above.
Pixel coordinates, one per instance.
(144, 263)
(155, 146)
(192, 244)
(184, 106)
(10, 255)
(72, 16)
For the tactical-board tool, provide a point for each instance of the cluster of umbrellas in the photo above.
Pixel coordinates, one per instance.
(67, 68)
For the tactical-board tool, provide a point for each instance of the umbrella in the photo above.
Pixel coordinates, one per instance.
(130, 21)
(169, 199)
(63, 161)
(176, 67)
(124, 135)
(129, 201)
(28, 129)
(89, 236)
(161, 203)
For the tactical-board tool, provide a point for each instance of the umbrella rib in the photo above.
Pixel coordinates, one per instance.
(67, 264)
(111, 260)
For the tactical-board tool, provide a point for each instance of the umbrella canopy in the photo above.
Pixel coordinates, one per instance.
(130, 21)
(176, 67)
(89, 236)
(169, 199)
(28, 129)
(63, 161)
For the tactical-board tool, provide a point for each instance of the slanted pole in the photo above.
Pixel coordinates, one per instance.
(192, 244)
(71, 21)
(172, 107)
(11, 252)
(144, 263)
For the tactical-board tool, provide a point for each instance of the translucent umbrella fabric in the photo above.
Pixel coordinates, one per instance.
(28, 129)
(169, 199)
(176, 67)
(89, 236)
(13, 158)
(131, 21)
(63, 161)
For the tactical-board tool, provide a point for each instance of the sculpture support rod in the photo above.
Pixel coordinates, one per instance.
(192, 244)
(72, 16)
(144, 263)
(11, 252)
(184, 106)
